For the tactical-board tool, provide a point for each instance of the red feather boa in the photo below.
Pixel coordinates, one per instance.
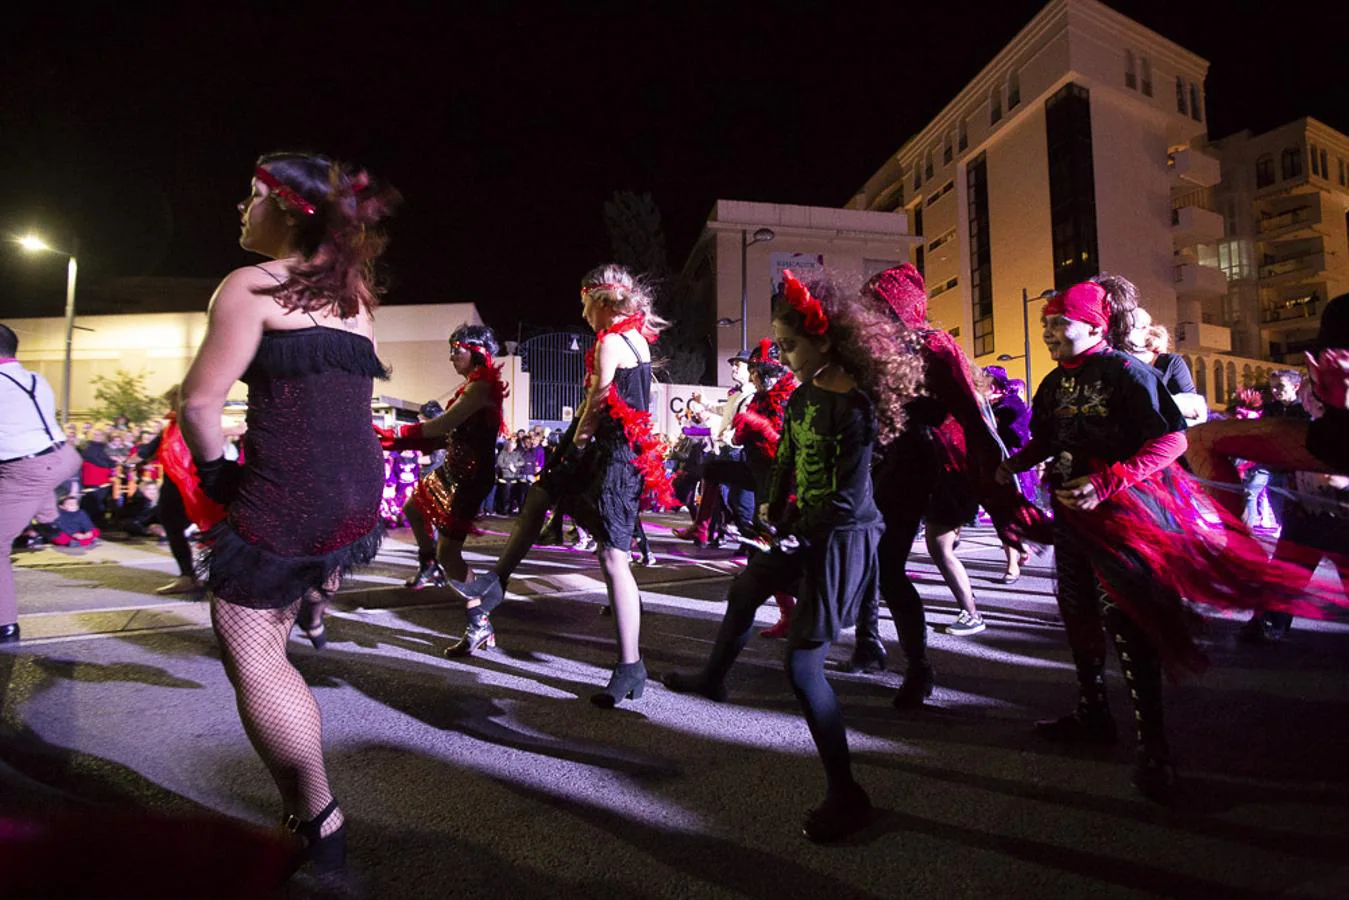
(650, 459)
(635, 322)
(760, 421)
(500, 391)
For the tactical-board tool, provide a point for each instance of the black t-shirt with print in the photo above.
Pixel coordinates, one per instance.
(1101, 412)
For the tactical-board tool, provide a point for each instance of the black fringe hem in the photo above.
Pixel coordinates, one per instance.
(312, 351)
(247, 575)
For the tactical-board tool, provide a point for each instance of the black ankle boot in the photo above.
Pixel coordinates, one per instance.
(487, 589)
(326, 853)
(477, 635)
(694, 683)
(917, 687)
(1155, 777)
(627, 682)
(1084, 725)
(867, 657)
(841, 814)
(9, 634)
(430, 575)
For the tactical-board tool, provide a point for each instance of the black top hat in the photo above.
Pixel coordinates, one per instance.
(742, 356)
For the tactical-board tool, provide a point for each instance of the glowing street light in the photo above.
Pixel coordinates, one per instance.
(34, 244)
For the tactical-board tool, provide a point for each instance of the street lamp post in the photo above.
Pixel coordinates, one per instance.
(1025, 325)
(760, 236)
(34, 244)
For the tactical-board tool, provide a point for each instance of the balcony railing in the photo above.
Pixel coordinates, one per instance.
(1292, 310)
(1314, 262)
(1286, 220)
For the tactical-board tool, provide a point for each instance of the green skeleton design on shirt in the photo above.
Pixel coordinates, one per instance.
(815, 457)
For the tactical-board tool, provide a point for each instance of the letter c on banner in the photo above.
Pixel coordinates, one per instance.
(676, 405)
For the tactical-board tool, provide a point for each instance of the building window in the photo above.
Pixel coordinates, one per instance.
(1130, 71)
(1325, 165)
(1072, 185)
(1196, 107)
(1180, 96)
(1315, 169)
(963, 135)
(927, 165)
(941, 192)
(918, 220)
(1013, 90)
(1264, 171)
(981, 264)
(1291, 163)
(1342, 184)
(946, 150)
(917, 177)
(1146, 68)
(919, 260)
(995, 106)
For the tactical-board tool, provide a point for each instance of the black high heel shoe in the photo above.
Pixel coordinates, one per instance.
(626, 683)
(326, 853)
(317, 634)
(478, 634)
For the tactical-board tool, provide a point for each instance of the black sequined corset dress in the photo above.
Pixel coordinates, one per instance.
(607, 506)
(451, 496)
(307, 509)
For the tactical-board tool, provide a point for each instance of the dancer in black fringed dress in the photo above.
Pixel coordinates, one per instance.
(304, 506)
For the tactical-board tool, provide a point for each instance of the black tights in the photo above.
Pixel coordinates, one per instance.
(767, 574)
(527, 529)
(173, 516)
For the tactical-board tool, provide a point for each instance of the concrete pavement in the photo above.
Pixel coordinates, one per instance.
(495, 777)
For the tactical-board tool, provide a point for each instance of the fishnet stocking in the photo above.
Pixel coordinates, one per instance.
(277, 708)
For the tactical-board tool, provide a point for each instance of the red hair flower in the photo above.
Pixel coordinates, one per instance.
(798, 295)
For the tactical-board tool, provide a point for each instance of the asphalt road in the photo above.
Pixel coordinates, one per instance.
(494, 777)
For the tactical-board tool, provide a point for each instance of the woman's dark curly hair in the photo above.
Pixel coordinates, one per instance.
(874, 348)
(340, 242)
(1122, 295)
(477, 334)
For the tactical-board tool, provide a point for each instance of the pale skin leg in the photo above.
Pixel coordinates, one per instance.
(942, 548)
(616, 564)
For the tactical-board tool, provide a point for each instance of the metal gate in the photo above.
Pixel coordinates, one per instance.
(556, 366)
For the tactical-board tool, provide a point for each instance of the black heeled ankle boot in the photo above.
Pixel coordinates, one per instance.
(841, 814)
(694, 683)
(867, 658)
(1088, 724)
(430, 575)
(917, 687)
(1154, 776)
(478, 634)
(627, 682)
(326, 853)
(488, 589)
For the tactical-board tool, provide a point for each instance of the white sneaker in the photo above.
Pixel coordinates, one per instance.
(965, 625)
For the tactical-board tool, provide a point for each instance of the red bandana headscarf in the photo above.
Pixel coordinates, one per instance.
(1085, 302)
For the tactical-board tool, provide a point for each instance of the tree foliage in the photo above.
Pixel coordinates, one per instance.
(637, 239)
(124, 394)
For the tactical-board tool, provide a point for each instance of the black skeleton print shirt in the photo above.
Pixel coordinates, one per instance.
(1100, 413)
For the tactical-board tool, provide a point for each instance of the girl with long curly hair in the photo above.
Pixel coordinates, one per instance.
(825, 546)
(303, 509)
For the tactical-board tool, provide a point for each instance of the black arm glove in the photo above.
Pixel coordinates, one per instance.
(219, 478)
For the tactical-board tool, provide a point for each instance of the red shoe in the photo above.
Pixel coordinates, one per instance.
(697, 532)
(786, 603)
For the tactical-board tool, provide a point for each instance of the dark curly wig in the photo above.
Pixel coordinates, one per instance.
(877, 350)
(477, 336)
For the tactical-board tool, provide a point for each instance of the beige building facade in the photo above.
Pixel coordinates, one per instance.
(1285, 197)
(805, 238)
(411, 340)
(1078, 149)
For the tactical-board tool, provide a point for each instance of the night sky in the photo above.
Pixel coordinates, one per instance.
(507, 132)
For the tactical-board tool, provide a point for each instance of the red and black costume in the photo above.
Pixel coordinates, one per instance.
(941, 467)
(306, 509)
(758, 428)
(1152, 541)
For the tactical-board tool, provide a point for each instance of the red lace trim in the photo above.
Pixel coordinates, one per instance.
(650, 459)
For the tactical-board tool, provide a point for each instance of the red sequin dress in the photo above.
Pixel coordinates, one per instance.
(308, 504)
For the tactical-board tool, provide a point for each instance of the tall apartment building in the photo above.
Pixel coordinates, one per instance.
(1076, 150)
(1285, 197)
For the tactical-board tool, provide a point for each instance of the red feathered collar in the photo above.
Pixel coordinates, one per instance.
(631, 323)
(775, 398)
(500, 389)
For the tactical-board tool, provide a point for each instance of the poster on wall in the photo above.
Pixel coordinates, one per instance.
(803, 266)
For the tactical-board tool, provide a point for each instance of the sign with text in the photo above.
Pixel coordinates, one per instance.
(803, 266)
